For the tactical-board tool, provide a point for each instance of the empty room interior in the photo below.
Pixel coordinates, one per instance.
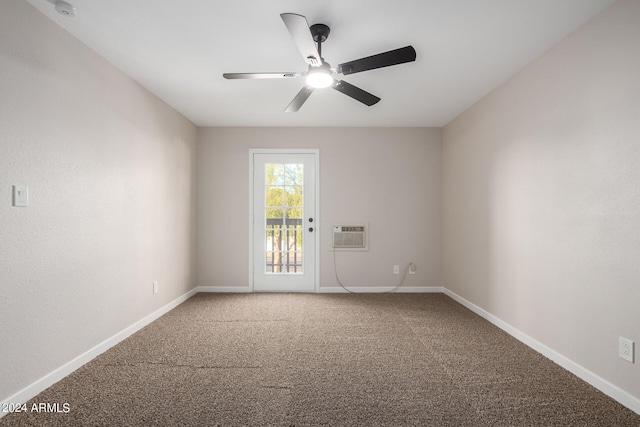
(494, 168)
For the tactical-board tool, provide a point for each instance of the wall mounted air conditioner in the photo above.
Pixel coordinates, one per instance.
(350, 237)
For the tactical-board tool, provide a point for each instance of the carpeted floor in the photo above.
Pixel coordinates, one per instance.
(323, 359)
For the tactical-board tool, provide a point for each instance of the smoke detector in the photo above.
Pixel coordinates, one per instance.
(65, 8)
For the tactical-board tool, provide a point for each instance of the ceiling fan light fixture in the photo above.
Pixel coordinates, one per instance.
(319, 79)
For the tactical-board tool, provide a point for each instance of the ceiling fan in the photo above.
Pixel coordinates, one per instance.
(320, 74)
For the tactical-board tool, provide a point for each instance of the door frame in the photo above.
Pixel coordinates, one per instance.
(316, 260)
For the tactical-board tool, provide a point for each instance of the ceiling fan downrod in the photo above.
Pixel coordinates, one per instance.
(320, 33)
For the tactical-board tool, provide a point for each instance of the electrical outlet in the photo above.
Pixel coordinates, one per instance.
(396, 269)
(412, 268)
(155, 287)
(625, 349)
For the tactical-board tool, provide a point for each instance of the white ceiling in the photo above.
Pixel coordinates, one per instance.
(179, 49)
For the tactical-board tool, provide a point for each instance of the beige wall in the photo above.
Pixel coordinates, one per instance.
(541, 197)
(390, 178)
(110, 171)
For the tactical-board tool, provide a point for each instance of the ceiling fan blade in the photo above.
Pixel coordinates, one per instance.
(299, 29)
(356, 93)
(260, 75)
(300, 99)
(386, 59)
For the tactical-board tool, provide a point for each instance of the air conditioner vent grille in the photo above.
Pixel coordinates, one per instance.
(351, 236)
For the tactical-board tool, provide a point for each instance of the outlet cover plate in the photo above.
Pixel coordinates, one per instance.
(626, 349)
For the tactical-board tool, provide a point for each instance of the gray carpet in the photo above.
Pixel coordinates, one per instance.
(314, 359)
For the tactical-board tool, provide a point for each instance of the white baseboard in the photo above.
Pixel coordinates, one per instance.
(331, 289)
(378, 290)
(601, 384)
(53, 377)
(224, 289)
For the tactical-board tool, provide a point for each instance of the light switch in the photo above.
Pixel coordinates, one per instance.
(20, 195)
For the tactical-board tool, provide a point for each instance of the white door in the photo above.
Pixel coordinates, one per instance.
(284, 221)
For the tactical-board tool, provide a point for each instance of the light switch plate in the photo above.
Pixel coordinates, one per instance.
(20, 195)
